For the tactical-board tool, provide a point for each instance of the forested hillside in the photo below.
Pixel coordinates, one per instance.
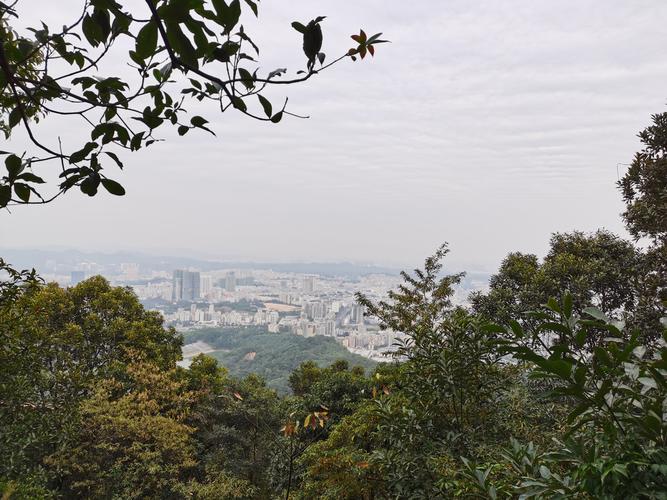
(273, 356)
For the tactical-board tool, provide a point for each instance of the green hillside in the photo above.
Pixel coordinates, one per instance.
(277, 354)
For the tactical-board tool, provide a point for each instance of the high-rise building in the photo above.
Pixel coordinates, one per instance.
(230, 282)
(206, 285)
(309, 284)
(357, 314)
(76, 277)
(186, 285)
(129, 271)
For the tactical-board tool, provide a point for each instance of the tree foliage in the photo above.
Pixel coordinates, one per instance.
(597, 269)
(56, 343)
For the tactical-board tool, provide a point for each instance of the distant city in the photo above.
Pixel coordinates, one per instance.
(305, 299)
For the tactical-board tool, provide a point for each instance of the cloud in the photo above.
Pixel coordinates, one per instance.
(489, 124)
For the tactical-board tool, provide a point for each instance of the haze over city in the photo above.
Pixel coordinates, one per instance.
(486, 124)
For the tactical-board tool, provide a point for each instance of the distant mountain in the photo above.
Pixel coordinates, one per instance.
(65, 261)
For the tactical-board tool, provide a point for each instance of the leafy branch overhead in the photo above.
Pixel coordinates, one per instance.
(180, 51)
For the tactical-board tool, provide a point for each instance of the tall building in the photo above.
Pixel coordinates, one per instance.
(186, 285)
(129, 271)
(206, 285)
(230, 282)
(309, 284)
(357, 314)
(76, 277)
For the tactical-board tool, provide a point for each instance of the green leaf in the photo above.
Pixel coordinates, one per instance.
(115, 158)
(92, 31)
(648, 382)
(101, 18)
(14, 166)
(312, 41)
(30, 177)
(181, 44)
(15, 117)
(567, 305)
(268, 109)
(147, 40)
(89, 185)
(135, 143)
(253, 6)
(596, 313)
(5, 195)
(22, 191)
(228, 15)
(299, 27)
(113, 187)
(246, 78)
(198, 121)
(82, 153)
(238, 103)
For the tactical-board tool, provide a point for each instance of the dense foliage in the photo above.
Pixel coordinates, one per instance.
(94, 405)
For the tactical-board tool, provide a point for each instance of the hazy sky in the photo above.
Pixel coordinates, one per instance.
(487, 124)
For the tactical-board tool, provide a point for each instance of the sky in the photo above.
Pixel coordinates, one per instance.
(485, 124)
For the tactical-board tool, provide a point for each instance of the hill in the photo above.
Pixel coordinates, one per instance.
(275, 356)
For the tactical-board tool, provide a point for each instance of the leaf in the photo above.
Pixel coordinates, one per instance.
(227, 15)
(181, 44)
(113, 187)
(14, 165)
(183, 129)
(147, 40)
(596, 313)
(198, 121)
(225, 51)
(89, 185)
(238, 103)
(277, 117)
(276, 72)
(321, 56)
(238, 396)
(81, 154)
(30, 177)
(5, 195)
(135, 143)
(648, 382)
(268, 109)
(22, 191)
(91, 30)
(299, 27)
(567, 305)
(246, 78)
(252, 5)
(15, 117)
(312, 41)
(115, 158)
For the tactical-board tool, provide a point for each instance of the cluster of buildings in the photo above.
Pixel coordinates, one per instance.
(302, 304)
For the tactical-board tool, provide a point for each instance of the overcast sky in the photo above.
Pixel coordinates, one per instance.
(487, 124)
